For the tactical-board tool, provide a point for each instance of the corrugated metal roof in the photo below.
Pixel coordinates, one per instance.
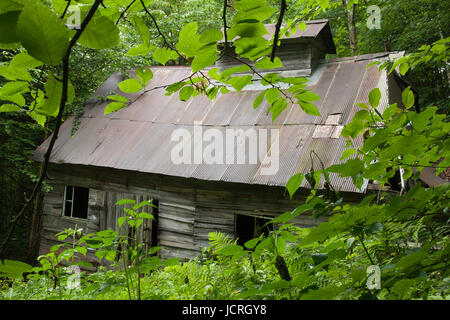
(138, 137)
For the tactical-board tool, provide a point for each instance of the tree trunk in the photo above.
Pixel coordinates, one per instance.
(441, 35)
(35, 227)
(352, 29)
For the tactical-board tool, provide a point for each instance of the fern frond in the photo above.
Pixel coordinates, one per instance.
(219, 240)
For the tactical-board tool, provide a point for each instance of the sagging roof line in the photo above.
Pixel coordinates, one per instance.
(214, 125)
(141, 140)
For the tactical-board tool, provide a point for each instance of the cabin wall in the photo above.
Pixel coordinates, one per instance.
(188, 209)
(54, 222)
(296, 57)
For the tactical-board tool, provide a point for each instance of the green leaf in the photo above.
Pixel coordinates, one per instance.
(185, 93)
(238, 83)
(10, 5)
(144, 215)
(294, 183)
(40, 119)
(9, 108)
(325, 293)
(24, 61)
(277, 107)
(403, 68)
(93, 243)
(125, 201)
(140, 50)
(230, 71)
(253, 10)
(53, 89)
(170, 262)
(82, 250)
(12, 73)
(285, 217)
(113, 107)
(130, 86)
(250, 244)
(407, 98)
(8, 27)
(259, 99)
(121, 221)
(145, 75)
(265, 63)
(348, 153)
(295, 81)
(350, 168)
(272, 95)
(17, 98)
(101, 33)
(374, 97)
(153, 250)
(42, 33)
(204, 60)
(247, 30)
(188, 40)
(212, 92)
(280, 244)
(231, 250)
(374, 228)
(318, 258)
(362, 106)
(142, 29)
(414, 258)
(13, 269)
(309, 108)
(11, 88)
(174, 87)
(118, 98)
(252, 48)
(162, 55)
(211, 35)
(403, 287)
(307, 96)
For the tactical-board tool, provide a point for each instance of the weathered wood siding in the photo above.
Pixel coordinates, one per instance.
(54, 222)
(294, 56)
(188, 209)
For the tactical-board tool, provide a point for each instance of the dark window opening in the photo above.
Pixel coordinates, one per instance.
(395, 183)
(76, 201)
(155, 213)
(248, 227)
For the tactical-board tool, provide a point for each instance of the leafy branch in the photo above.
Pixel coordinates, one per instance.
(58, 120)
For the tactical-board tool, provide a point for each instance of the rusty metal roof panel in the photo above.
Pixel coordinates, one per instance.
(223, 107)
(342, 94)
(290, 151)
(322, 87)
(139, 137)
(195, 110)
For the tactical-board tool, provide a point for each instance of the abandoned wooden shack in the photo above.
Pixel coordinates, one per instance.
(129, 153)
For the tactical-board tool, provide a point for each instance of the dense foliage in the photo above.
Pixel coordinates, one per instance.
(402, 236)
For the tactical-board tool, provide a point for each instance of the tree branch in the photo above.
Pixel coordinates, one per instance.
(160, 32)
(125, 11)
(57, 125)
(65, 10)
(261, 76)
(224, 18)
(277, 29)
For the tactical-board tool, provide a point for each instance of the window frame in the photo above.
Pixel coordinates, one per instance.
(72, 201)
(251, 216)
